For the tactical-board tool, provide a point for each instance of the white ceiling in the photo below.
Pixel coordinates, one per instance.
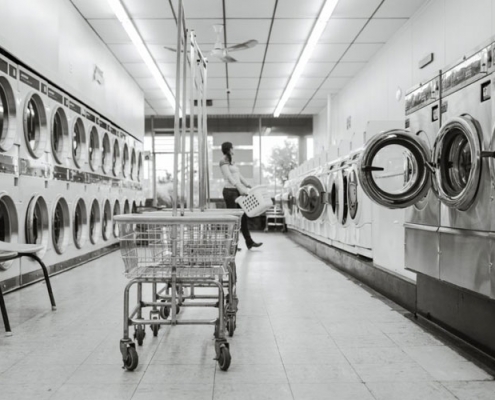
(356, 31)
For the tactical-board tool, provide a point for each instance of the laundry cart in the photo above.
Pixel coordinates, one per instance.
(194, 249)
(230, 281)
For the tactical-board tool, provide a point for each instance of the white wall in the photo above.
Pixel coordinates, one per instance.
(55, 40)
(447, 28)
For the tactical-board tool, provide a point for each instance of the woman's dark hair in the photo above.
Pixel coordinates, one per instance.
(226, 146)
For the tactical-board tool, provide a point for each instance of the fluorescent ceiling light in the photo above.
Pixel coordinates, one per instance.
(318, 29)
(123, 17)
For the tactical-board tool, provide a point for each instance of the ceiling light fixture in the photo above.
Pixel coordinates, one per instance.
(123, 17)
(318, 29)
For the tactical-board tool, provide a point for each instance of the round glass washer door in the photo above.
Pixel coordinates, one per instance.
(94, 222)
(35, 125)
(37, 222)
(115, 157)
(106, 154)
(9, 226)
(353, 199)
(310, 198)
(80, 223)
(331, 197)
(78, 142)
(457, 154)
(106, 223)
(60, 135)
(8, 130)
(115, 225)
(394, 169)
(94, 149)
(60, 226)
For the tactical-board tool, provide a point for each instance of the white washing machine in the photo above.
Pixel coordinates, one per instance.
(10, 120)
(345, 235)
(359, 209)
(116, 144)
(34, 151)
(78, 150)
(332, 220)
(10, 226)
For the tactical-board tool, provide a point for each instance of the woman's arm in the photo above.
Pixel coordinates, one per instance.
(224, 167)
(243, 181)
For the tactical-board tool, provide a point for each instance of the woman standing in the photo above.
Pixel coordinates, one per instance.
(235, 186)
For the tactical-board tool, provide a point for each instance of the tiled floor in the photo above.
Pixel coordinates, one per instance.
(304, 331)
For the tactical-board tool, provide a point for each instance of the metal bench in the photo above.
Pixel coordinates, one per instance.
(11, 251)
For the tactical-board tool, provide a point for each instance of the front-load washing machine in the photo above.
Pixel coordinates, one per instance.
(332, 221)
(287, 200)
(310, 199)
(10, 226)
(359, 209)
(345, 229)
(78, 141)
(396, 169)
(34, 152)
(465, 187)
(422, 219)
(10, 122)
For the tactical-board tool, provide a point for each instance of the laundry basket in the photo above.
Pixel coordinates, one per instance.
(256, 202)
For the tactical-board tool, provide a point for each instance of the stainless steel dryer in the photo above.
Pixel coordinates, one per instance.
(463, 176)
(396, 171)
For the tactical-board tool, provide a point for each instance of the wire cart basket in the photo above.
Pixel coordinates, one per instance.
(230, 281)
(195, 249)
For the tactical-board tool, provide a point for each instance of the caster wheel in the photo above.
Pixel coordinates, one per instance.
(231, 326)
(132, 359)
(164, 312)
(224, 358)
(139, 334)
(155, 329)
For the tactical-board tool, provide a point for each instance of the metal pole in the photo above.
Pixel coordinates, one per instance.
(205, 133)
(191, 121)
(153, 162)
(177, 112)
(184, 119)
(261, 164)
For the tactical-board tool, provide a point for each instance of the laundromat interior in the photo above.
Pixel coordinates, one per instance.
(265, 199)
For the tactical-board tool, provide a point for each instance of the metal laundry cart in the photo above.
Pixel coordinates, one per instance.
(175, 250)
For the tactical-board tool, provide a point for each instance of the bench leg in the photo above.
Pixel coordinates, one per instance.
(45, 273)
(5, 316)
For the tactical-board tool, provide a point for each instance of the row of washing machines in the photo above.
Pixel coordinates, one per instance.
(65, 172)
(440, 169)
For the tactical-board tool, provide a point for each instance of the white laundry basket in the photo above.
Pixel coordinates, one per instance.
(256, 202)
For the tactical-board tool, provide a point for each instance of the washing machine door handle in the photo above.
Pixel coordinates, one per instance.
(488, 154)
(371, 168)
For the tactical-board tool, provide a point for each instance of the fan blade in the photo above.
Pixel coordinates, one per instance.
(226, 58)
(243, 46)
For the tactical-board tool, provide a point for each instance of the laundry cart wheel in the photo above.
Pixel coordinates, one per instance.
(231, 326)
(139, 334)
(164, 311)
(155, 328)
(224, 358)
(132, 359)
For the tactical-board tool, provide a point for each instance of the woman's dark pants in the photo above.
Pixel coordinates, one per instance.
(229, 196)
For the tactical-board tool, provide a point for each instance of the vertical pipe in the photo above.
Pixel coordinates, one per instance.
(184, 119)
(200, 147)
(205, 133)
(191, 120)
(177, 112)
(153, 162)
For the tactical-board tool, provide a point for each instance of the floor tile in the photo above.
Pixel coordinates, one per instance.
(105, 374)
(409, 391)
(398, 372)
(333, 391)
(182, 391)
(302, 373)
(376, 355)
(92, 391)
(482, 390)
(252, 391)
(255, 374)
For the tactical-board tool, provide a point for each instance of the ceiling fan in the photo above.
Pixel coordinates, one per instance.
(221, 52)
